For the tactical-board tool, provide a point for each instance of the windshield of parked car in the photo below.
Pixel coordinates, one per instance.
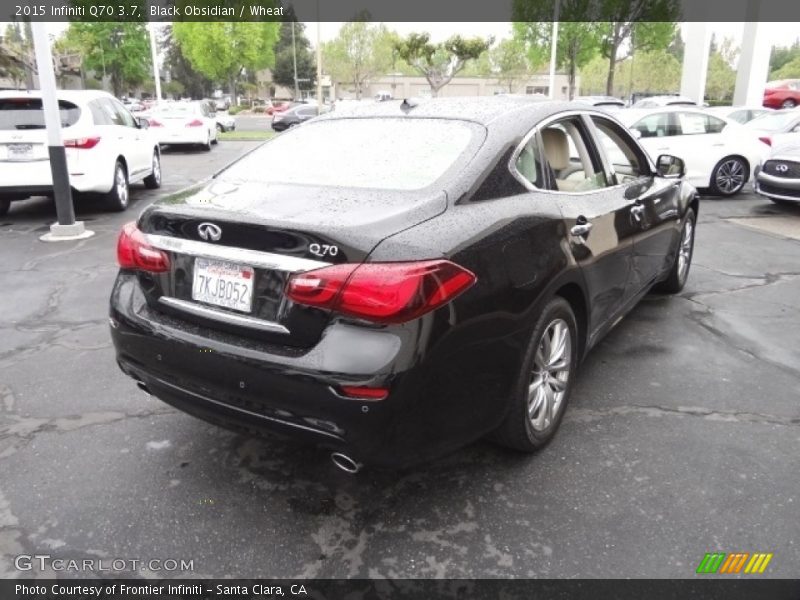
(27, 113)
(382, 153)
(777, 121)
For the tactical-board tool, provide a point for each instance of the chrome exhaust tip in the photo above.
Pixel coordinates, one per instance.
(345, 463)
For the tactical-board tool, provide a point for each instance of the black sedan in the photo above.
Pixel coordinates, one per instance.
(281, 121)
(425, 275)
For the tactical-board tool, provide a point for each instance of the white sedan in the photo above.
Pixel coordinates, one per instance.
(184, 123)
(720, 155)
(107, 148)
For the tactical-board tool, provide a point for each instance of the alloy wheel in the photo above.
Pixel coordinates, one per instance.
(156, 168)
(685, 249)
(550, 375)
(121, 183)
(730, 176)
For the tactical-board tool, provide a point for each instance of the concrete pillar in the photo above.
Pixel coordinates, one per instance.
(695, 61)
(753, 69)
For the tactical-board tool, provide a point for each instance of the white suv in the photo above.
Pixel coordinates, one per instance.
(107, 147)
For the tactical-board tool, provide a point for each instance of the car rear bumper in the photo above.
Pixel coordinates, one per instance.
(34, 178)
(439, 396)
(191, 135)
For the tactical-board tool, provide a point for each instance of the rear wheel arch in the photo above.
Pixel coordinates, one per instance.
(573, 294)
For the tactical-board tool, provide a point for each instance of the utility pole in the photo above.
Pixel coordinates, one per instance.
(553, 48)
(154, 57)
(294, 59)
(319, 65)
(66, 228)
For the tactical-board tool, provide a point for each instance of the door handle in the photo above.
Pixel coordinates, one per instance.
(637, 210)
(581, 229)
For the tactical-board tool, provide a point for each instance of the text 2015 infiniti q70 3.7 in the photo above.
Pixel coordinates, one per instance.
(400, 280)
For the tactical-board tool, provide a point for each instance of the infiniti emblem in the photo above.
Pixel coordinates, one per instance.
(782, 168)
(209, 231)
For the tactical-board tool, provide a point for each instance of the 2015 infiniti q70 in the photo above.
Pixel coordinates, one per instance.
(404, 278)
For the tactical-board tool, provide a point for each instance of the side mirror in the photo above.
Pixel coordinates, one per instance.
(142, 123)
(670, 166)
(212, 114)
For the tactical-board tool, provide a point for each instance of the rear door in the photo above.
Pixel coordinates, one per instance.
(137, 151)
(655, 210)
(598, 222)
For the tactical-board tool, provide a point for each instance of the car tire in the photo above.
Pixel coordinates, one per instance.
(207, 145)
(220, 128)
(118, 197)
(153, 181)
(788, 103)
(729, 176)
(5, 205)
(683, 257)
(540, 398)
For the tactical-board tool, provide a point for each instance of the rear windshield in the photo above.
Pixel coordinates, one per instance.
(177, 110)
(383, 153)
(773, 121)
(27, 113)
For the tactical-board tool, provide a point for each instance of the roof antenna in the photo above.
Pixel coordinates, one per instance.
(408, 104)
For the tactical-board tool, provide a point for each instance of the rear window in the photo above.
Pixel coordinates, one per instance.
(177, 110)
(390, 153)
(27, 113)
(772, 121)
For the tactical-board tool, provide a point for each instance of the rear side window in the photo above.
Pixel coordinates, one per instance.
(656, 125)
(27, 113)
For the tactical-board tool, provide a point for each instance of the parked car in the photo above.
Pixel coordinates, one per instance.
(402, 279)
(784, 93)
(277, 107)
(184, 123)
(225, 121)
(776, 127)
(720, 154)
(779, 177)
(740, 114)
(659, 101)
(604, 102)
(295, 116)
(107, 148)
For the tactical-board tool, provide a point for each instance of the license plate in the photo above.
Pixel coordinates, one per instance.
(20, 151)
(223, 284)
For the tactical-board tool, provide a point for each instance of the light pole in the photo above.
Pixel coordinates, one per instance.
(294, 59)
(66, 228)
(553, 48)
(154, 58)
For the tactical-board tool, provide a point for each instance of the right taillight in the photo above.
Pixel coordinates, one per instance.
(133, 252)
(154, 122)
(766, 139)
(381, 292)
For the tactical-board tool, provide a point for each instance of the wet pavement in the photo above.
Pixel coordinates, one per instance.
(682, 436)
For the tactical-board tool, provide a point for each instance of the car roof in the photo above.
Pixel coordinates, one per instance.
(479, 109)
(68, 95)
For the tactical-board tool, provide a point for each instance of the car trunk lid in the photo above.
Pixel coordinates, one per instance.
(264, 233)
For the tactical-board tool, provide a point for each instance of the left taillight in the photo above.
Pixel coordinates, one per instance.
(82, 143)
(381, 292)
(195, 123)
(133, 252)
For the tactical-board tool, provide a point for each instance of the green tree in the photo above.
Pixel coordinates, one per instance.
(677, 46)
(578, 38)
(360, 53)
(439, 63)
(508, 62)
(118, 50)
(222, 51)
(631, 25)
(534, 38)
(789, 70)
(192, 83)
(781, 56)
(285, 49)
(13, 53)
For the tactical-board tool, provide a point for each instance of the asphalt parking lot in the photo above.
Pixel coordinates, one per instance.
(682, 437)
